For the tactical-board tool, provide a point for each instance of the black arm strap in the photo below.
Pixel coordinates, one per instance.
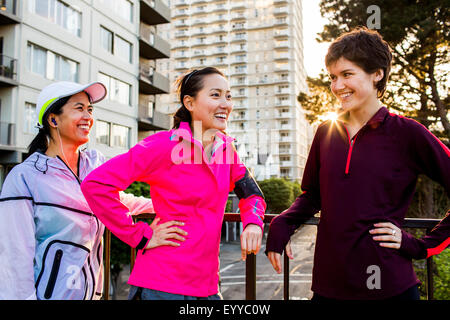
(247, 186)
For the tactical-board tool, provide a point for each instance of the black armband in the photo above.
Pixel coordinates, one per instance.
(247, 186)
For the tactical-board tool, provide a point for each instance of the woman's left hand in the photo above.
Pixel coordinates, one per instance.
(389, 235)
(251, 239)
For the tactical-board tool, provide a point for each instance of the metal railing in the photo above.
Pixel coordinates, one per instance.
(8, 67)
(250, 262)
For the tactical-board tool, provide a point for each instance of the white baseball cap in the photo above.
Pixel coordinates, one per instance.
(62, 89)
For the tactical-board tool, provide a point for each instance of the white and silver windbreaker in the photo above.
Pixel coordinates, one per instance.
(50, 242)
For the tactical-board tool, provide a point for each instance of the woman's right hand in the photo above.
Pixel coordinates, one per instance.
(165, 231)
(275, 257)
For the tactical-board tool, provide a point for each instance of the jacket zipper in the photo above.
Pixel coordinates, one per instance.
(350, 150)
(349, 156)
(53, 274)
(73, 173)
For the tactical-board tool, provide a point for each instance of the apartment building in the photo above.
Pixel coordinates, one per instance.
(112, 41)
(258, 45)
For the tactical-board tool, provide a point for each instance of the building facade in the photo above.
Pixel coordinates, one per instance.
(258, 45)
(112, 41)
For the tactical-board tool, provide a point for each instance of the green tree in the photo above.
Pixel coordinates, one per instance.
(418, 33)
(319, 100)
(279, 193)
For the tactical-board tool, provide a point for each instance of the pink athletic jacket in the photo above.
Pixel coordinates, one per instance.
(186, 186)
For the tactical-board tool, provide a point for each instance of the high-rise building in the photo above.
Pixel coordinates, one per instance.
(112, 41)
(258, 45)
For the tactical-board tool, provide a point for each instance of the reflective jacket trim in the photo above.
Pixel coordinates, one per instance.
(47, 204)
(62, 207)
(16, 198)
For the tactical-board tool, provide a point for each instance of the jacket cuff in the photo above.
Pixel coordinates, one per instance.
(254, 219)
(145, 238)
(278, 237)
(411, 247)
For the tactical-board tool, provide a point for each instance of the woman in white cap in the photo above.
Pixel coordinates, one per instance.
(50, 242)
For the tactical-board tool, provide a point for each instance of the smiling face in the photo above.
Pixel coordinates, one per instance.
(212, 104)
(353, 87)
(75, 121)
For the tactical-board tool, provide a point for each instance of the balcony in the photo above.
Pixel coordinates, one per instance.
(181, 3)
(238, 5)
(152, 46)
(284, 115)
(149, 119)
(280, 11)
(250, 262)
(8, 12)
(285, 151)
(283, 102)
(181, 34)
(8, 74)
(282, 45)
(154, 12)
(281, 33)
(152, 82)
(7, 136)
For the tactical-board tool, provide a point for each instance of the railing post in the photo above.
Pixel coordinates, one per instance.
(430, 287)
(132, 258)
(250, 277)
(286, 277)
(107, 264)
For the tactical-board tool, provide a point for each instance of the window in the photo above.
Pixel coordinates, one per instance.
(120, 136)
(123, 49)
(51, 65)
(118, 90)
(106, 39)
(122, 8)
(116, 45)
(30, 119)
(60, 13)
(37, 59)
(103, 132)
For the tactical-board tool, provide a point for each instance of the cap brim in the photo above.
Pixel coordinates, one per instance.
(96, 90)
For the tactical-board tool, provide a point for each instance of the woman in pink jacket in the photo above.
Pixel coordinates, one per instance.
(190, 169)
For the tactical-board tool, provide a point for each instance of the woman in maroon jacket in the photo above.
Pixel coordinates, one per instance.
(361, 174)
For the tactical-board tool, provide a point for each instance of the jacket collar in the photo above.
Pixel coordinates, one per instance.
(42, 162)
(376, 119)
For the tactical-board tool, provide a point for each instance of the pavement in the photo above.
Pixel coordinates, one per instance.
(269, 284)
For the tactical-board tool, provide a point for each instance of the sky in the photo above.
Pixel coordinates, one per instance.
(313, 52)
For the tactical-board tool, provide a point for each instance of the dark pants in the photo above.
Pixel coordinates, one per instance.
(138, 293)
(410, 294)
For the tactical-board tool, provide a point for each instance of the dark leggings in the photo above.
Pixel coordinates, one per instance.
(410, 294)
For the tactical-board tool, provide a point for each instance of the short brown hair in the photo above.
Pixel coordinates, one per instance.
(367, 49)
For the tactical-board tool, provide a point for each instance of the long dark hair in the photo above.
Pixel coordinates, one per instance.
(40, 142)
(190, 84)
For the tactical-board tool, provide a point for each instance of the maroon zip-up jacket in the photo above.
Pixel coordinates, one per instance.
(356, 182)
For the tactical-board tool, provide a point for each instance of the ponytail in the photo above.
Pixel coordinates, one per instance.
(182, 115)
(40, 142)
